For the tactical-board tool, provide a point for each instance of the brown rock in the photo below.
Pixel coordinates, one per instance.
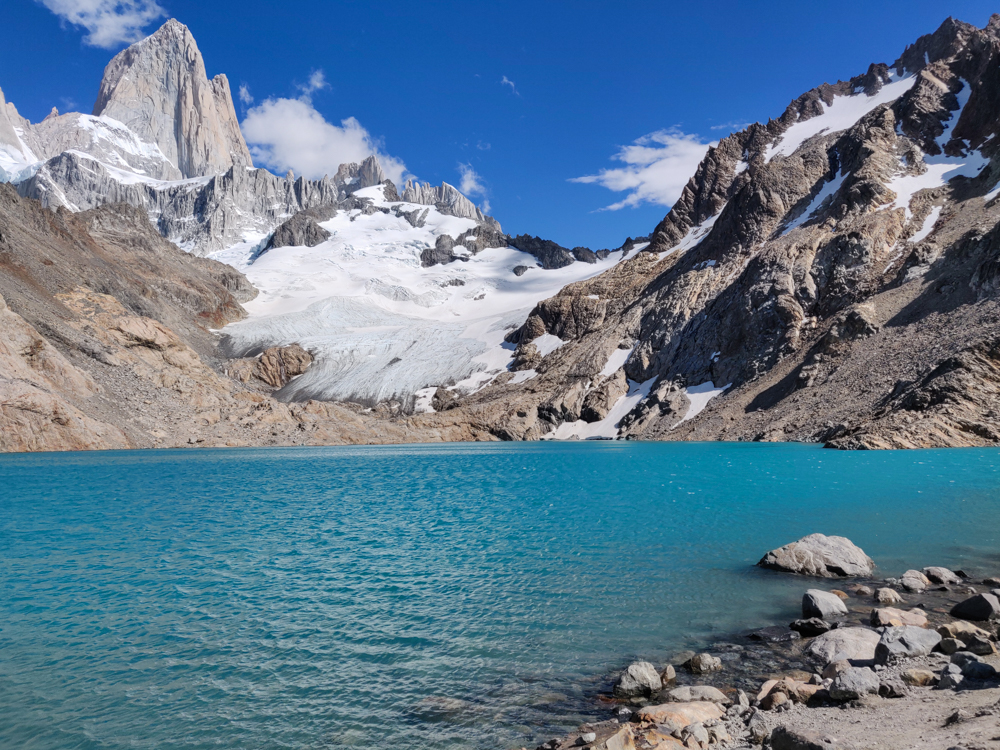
(919, 677)
(681, 714)
(891, 617)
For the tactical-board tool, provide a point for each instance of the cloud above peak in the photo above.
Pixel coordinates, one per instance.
(109, 23)
(472, 186)
(292, 134)
(656, 168)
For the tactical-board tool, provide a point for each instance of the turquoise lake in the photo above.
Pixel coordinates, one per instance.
(457, 596)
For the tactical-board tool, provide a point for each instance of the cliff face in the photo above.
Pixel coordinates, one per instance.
(822, 267)
(159, 90)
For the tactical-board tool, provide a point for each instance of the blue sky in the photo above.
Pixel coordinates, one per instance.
(516, 98)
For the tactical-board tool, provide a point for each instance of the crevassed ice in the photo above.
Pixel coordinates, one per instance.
(381, 325)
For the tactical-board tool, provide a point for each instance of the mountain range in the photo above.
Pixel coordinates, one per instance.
(828, 276)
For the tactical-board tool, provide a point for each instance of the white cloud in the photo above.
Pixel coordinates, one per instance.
(109, 23)
(732, 127)
(657, 167)
(472, 185)
(288, 134)
(505, 81)
(317, 82)
(245, 96)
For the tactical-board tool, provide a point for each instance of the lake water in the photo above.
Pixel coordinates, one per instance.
(460, 596)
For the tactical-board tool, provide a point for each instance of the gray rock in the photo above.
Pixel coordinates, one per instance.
(822, 604)
(854, 683)
(941, 575)
(914, 581)
(887, 595)
(951, 645)
(302, 230)
(704, 664)
(978, 608)
(893, 688)
(856, 644)
(980, 646)
(691, 693)
(979, 670)
(520, 270)
(811, 627)
(905, 642)
(961, 658)
(441, 253)
(819, 555)
(639, 679)
(783, 738)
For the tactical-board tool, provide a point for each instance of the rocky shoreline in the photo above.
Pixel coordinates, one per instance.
(907, 662)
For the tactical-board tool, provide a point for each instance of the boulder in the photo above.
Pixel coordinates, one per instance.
(919, 677)
(783, 738)
(822, 604)
(668, 675)
(853, 683)
(888, 617)
(963, 631)
(941, 575)
(980, 646)
(775, 634)
(681, 714)
(639, 679)
(980, 607)
(844, 643)
(810, 627)
(888, 596)
(690, 693)
(914, 580)
(949, 646)
(819, 555)
(834, 668)
(704, 664)
(892, 688)
(979, 670)
(863, 591)
(905, 642)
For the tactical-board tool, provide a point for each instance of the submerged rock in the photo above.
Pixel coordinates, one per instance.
(638, 679)
(820, 555)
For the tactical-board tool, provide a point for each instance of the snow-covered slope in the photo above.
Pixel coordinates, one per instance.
(382, 326)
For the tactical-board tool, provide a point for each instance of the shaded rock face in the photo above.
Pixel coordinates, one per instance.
(275, 366)
(159, 89)
(820, 555)
(550, 254)
(302, 230)
(812, 274)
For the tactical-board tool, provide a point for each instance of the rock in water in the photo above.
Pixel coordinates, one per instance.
(980, 607)
(819, 555)
(159, 89)
(844, 643)
(886, 617)
(905, 642)
(639, 679)
(888, 596)
(811, 627)
(822, 604)
(705, 663)
(941, 575)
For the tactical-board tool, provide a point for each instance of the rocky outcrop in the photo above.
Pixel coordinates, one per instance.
(820, 555)
(302, 230)
(159, 90)
(446, 198)
(275, 366)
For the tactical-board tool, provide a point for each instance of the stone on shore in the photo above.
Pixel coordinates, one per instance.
(919, 677)
(692, 693)
(914, 581)
(857, 644)
(949, 646)
(888, 617)
(853, 683)
(820, 555)
(810, 627)
(681, 714)
(980, 608)
(941, 575)
(783, 738)
(639, 679)
(905, 642)
(963, 631)
(668, 675)
(822, 604)
(704, 664)
(888, 596)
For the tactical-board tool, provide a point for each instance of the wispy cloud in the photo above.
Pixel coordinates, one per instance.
(246, 98)
(317, 82)
(505, 81)
(657, 167)
(732, 127)
(291, 134)
(472, 186)
(109, 23)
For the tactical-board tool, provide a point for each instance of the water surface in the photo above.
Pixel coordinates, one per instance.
(460, 596)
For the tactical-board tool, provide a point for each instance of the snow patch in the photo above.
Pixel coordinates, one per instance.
(607, 428)
(844, 112)
(828, 189)
(695, 235)
(928, 225)
(522, 376)
(616, 361)
(699, 396)
(547, 343)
